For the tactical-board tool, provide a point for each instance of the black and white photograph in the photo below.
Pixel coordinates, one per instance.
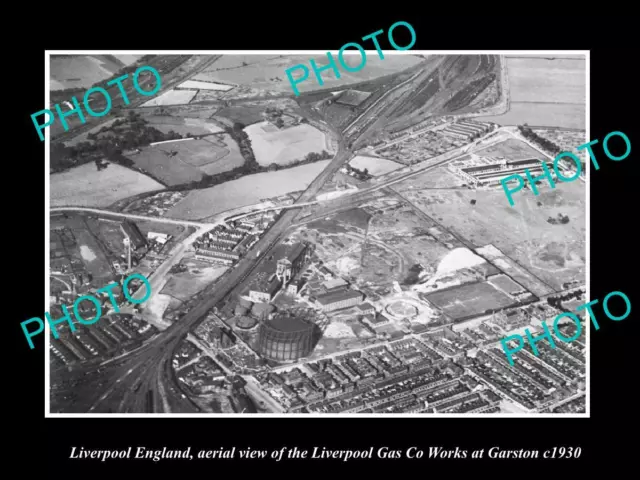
(284, 234)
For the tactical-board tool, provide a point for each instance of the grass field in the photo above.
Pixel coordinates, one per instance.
(266, 73)
(86, 186)
(82, 71)
(375, 166)
(522, 231)
(469, 299)
(545, 92)
(505, 283)
(172, 97)
(245, 191)
(543, 80)
(245, 114)
(286, 145)
(511, 149)
(191, 160)
(541, 115)
(183, 126)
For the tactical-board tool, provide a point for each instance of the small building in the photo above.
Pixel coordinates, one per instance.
(334, 283)
(375, 321)
(366, 309)
(293, 288)
(161, 238)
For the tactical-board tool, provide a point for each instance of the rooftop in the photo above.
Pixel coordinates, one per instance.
(289, 323)
(334, 297)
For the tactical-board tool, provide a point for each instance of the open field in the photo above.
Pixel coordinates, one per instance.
(272, 145)
(505, 284)
(172, 97)
(196, 85)
(176, 163)
(266, 73)
(542, 80)
(245, 114)
(542, 115)
(439, 177)
(86, 186)
(82, 71)
(511, 149)
(245, 191)
(522, 231)
(469, 299)
(545, 92)
(375, 166)
(183, 126)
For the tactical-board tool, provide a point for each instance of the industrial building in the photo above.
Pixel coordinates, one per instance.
(217, 256)
(331, 301)
(288, 336)
(466, 130)
(278, 270)
(491, 174)
(132, 232)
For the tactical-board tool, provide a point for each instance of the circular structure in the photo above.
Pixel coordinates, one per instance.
(289, 335)
(246, 323)
(402, 309)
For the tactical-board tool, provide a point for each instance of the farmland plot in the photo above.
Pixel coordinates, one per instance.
(172, 97)
(283, 146)
(244, 191)
(86, 186)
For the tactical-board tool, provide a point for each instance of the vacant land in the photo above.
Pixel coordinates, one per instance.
(172, 97)
(245, 191)
(439, 177)
(284, 146)
(266, 73)
(183, 286)
(375, 166)
(545, 92)
(511, 149)
(469, 299)
(522, 231)
(88, 187)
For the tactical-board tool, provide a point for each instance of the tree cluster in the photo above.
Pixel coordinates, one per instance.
(542, 142)
(560, 219)
(110, 141)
